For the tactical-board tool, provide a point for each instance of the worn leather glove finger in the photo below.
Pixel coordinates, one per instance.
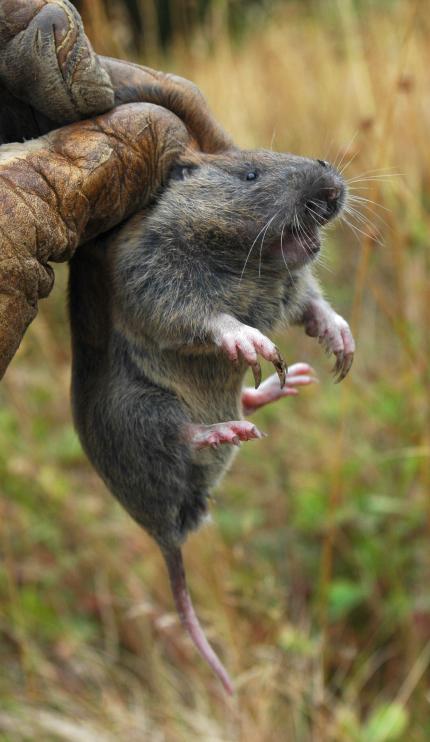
(68, 186)
(50, 75)
(134, 82)
(46, 61)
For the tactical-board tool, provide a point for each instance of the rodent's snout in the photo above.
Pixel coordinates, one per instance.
(325, 195)
(324, 204)
(320, 193)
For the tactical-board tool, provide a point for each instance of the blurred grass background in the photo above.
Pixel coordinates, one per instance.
(313, 581)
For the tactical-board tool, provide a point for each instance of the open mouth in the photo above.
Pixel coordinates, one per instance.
(305, 240)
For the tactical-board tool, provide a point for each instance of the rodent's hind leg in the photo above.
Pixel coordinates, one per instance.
(212, 436)
(299, 374)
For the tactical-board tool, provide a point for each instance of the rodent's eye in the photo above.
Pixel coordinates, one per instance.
(251, 175)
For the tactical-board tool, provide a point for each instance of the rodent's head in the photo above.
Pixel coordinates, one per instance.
(257, 206)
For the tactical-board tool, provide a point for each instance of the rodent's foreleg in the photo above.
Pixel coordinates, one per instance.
(240, 341)
(185, 308)
(300, 374)
(211, 436)
(333, 333)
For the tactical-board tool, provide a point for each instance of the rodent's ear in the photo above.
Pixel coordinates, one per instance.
(182, 172)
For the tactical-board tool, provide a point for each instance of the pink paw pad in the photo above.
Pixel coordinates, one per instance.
(300, 374)
(212, 436)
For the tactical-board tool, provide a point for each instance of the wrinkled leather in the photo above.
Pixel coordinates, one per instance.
(47, 63)
(50, 75)
(78, 182)
(135, 82)
(72, 184)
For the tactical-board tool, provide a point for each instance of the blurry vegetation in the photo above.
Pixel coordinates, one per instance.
(149, 24)
(314, 579)
(152, 26)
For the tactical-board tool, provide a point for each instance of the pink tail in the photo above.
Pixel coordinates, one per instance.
(189, 620)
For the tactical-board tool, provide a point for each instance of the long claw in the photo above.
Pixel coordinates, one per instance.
(281, 368)
(337, 368)
(256, 370)
(342, 366)
(346, 365)
(349, 362)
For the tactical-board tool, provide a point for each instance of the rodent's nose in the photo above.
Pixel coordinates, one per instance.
(325, 202)
(333, 194)
(331, 197)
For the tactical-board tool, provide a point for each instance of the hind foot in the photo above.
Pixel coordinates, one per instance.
(212, 436)
(300, 374)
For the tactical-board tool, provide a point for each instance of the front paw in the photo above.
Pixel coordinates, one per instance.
(335, 336)
(241, 341)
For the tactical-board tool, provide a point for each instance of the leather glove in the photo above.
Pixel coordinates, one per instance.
(77, 182)
(50, 75)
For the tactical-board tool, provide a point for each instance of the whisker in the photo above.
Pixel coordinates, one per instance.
(378, 170)
(297, 228)
(347, 164)
(361, 217)
(282, 251)
(309, 236)
(323, 261)
(301, 233)
(250, 251)
(262, 243)
(364, 200)
(272, 141)
(368, 212)
(372, 178)
(312, 212)
(358, 216)
(361, 231)
(337, 155)
(358, 188)
(345, 151)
